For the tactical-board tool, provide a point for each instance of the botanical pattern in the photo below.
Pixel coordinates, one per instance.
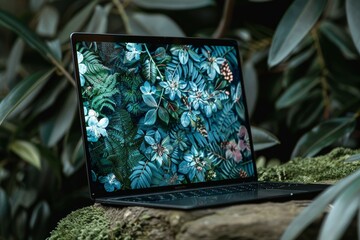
(157, 115)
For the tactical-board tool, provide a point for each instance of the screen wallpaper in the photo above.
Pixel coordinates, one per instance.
(158, 115)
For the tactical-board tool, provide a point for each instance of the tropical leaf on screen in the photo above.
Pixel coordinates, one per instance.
(216, 154)
(149, 70)
(225, 124)
(121, 129)
(229, 169)
(224, 52)
(102, 82)
(89, 56)
(141, 175)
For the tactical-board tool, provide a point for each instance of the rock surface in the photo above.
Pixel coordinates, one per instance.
(247, 221)
(250, 221)
(265, 221)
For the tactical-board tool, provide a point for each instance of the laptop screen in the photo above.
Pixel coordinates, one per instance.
(160, 112)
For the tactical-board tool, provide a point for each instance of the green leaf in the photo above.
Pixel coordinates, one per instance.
(300, 58)
(13, 62)
(149, 100)
(64, 118)
(173, 5)
(26, 151)
(340, 38)
(353, 18)
(293, 27)
(48, 98)
(20, 222)
(5, 213)
(307, 113)
(40, 220)
(297, 92)
(76, 22)
(344, 209)
(150, 117)
(251, 85)
(323, 136)
(72, 156)
(317, 207)
(21, 91)
(149, 70)
(263, 139)
(48, 21)
(55, 47)
(353, 158)
(9, 21)
(163, 115)
(99, 19)
(154, 24)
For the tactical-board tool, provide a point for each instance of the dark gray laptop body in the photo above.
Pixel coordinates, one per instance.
(165, 123)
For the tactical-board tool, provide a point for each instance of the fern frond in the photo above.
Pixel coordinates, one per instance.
(224, 124)
(230, 169)
(103, 86)
(89, 56)
(99, 102)
(216, 154)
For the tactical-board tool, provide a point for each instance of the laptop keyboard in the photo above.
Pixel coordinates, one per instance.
(211, 191)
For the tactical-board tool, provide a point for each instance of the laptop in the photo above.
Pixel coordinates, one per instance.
(165, 123)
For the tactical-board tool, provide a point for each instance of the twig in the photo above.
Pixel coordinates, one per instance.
(123, 15)
(324, 74)
(62, 69)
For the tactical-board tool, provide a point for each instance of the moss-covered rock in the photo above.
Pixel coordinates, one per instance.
(246, 221)
(328, 168)
(86, 223)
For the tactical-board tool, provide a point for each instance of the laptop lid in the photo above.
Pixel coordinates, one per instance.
(161, 113)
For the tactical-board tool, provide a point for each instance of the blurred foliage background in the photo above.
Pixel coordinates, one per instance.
(301, 70)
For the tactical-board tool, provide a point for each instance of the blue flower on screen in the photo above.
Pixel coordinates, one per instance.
(95, 128)
(147, 88)
(160, 148)
(173, 85)
(110, 182)
(211, 66)
(196, 95)
(133, 51)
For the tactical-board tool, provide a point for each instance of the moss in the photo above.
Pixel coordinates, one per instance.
(100, 222)
(86, 223)
(327, 168)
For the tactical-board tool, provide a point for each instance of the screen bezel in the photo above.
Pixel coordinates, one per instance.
(90, 37)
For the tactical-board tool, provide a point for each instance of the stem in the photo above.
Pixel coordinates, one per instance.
(123, 15)
(324, 74)
(161, 96)
(62, 69)
(357, 114)
(152, 60)
(225, 19)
